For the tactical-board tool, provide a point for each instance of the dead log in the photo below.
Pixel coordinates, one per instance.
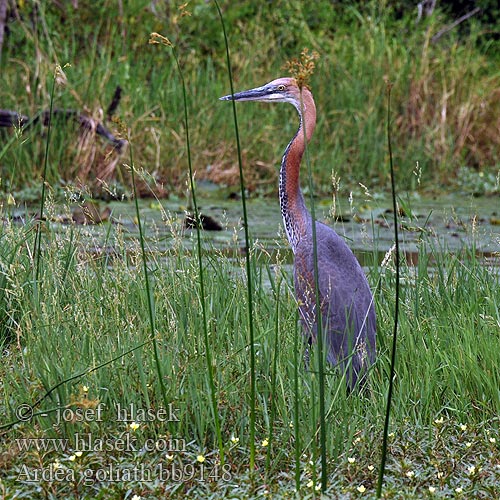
(10, 118)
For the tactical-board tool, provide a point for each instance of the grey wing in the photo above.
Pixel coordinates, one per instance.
(348, 312)
(349, 329)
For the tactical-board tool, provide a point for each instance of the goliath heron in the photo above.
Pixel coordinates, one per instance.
(346, 302)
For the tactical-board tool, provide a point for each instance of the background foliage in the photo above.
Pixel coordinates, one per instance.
(446, 94)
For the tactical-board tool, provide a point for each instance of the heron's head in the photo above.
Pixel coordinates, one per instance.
(280, 90)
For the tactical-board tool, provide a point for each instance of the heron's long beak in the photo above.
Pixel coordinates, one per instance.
(256, 94)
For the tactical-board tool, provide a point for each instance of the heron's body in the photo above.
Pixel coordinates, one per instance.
(347, 309)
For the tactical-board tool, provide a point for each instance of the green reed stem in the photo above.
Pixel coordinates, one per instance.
(319, 319)
(208, 352)
(38, 236)
(396, 305)
(296, 424)
(149, 294)
(247, 254)
(274, 376)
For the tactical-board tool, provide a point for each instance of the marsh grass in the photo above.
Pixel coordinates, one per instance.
(92, 312)
(248, 266)
(397, 264)
(156, 38)
(302, 71)
(78, 338)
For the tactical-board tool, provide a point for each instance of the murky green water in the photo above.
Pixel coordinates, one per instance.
(367, 224)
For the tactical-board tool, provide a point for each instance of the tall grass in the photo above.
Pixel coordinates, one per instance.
(148, 286)
(248, 267)
(397, 264)
(321, 351)
(197, 218)
(38, 238)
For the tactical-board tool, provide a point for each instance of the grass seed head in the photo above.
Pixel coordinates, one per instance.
(156, 39)
(302, 69)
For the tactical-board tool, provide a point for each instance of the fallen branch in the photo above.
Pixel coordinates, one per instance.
(448, 28)
(114, 102)
(14, 119)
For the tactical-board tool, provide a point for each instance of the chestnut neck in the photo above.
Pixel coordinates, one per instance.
(296, 217)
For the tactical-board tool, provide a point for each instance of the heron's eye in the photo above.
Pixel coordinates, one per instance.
(281, 88)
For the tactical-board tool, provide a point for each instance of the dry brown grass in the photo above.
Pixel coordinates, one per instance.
(453, 108)
(222, 168)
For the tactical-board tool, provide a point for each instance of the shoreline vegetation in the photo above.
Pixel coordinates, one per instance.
(445, 95)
